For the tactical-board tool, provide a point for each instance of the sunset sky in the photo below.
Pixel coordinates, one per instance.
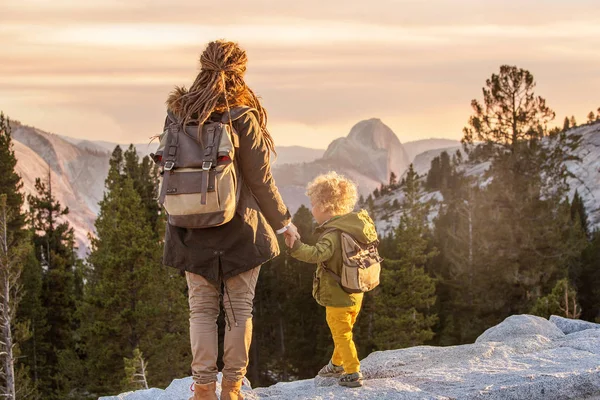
(102, 69)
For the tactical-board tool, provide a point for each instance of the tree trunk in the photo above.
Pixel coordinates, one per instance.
(6, 311)
(7, 341)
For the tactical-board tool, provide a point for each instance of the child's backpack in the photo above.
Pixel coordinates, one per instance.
(200, 182)
(361, 265)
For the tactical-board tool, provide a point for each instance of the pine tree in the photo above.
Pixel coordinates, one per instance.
(511, 113)
(523, 204)
(54, 245)
(573, 122)
(584, 273)
(566, 124)
(402, 315)
(10, 182)
(32, 312)
(579, 214)
(361, 202)
(561, 301)
(136, 371)
(587, 280)
(462, 282)
(440, 172)
(370, 206)
(591, 117)
(446, 170)
(16, 237)
(144, 174)
(393, 180)
(12, 255)
(434, 175)
(122, 309)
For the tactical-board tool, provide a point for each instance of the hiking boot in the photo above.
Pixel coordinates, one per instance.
(231, 390)
(207, 391)
(351, 380)
(331, 370)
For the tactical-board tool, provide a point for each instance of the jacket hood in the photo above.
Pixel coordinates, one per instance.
(358, 224)
(174, 102)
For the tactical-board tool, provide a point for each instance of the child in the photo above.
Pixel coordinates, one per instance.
(333, 197)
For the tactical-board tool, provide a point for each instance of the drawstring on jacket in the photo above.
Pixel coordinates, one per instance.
(222, 298)
(230, 306)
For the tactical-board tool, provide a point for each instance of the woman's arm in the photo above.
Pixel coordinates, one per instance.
(255, 166)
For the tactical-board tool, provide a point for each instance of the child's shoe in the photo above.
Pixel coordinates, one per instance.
(351, 380)
(331, 370)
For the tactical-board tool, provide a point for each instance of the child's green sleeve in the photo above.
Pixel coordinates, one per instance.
(320, 252)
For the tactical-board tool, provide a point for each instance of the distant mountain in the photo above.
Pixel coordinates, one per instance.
(78, 174)
(79, 168)
(368, 155)
(143, 149)
(285, 154)
(296, 154)
(417, 147)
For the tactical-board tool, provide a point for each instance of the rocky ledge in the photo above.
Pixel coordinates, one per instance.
(524, 357)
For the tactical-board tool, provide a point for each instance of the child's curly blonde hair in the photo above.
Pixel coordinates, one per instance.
(333, 192)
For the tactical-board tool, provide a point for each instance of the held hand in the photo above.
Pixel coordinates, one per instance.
(292, 231)
(290, 240)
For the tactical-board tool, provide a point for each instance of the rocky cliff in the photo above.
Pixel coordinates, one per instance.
(77, 175)
(524, 357)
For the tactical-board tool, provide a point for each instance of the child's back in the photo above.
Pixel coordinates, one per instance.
(333, 198)
(326, 289)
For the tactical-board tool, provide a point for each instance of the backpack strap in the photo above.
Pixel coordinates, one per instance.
(172, 117)
(213, 138)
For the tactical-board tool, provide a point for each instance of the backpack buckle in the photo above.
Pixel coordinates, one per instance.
(206, 165)
(169, 165)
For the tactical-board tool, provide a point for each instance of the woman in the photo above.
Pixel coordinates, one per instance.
(224, 262)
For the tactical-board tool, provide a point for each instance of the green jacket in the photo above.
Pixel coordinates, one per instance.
(328, 252)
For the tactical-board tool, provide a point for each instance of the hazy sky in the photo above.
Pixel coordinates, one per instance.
(102, 69)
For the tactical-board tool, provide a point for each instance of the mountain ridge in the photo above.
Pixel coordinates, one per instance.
(368, 155)
(586, 181)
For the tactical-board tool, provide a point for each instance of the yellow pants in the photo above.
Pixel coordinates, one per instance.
(341, 321)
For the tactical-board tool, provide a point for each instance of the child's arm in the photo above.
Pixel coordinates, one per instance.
(320, 252)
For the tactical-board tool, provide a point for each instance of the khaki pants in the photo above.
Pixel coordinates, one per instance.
(341, 321)
(204, 299)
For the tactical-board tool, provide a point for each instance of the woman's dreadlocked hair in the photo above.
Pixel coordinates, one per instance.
(219, 85)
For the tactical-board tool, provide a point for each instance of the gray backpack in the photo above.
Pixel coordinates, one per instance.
(361, 265)
(200, 182)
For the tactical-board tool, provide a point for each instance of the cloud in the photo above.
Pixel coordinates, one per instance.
(380, 12)
(319, 66)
